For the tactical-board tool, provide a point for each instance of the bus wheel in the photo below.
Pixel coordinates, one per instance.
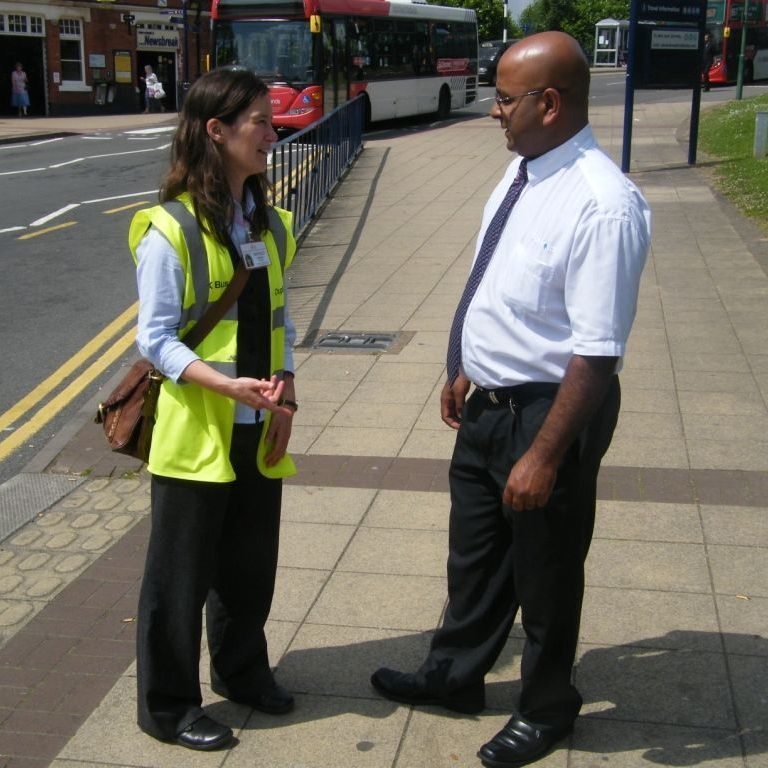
(749, 72)
(367, 113)
(444, 103)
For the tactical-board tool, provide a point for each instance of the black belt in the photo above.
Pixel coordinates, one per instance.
(520, 394)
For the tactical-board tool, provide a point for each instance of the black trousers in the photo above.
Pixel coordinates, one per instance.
(212, 545)
(500, 560)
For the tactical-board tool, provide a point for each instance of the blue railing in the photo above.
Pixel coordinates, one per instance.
(307, 165)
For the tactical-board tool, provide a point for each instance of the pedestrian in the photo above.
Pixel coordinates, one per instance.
(540, 332)
(20, 89)
(149, 78)
(223, 416)
(707, 58)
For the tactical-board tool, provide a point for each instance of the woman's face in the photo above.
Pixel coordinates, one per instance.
(246, 143)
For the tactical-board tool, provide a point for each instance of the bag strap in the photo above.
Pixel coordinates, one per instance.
(218, 309)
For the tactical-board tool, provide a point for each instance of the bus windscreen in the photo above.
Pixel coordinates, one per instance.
(277, 51)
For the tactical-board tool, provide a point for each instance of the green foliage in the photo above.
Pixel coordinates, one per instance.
(490, 17)
(727, 133)
(576, 17)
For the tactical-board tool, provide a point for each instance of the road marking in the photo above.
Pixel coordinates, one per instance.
(128, 152)
(126, 207)
(46, 219)
(166, 129)
(45, 141)
(120, 197)
(28, 170)
(47, 230)
(15, 412)
(11, 229)
(68, 162)
(54, 406)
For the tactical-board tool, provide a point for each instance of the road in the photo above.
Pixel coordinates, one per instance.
(65, 205)
(67, 303)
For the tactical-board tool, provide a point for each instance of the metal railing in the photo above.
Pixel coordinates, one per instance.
(307, 165)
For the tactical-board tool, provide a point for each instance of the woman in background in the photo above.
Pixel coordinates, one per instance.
(20, 89)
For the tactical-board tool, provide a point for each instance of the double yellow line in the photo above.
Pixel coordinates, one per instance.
(118, 346)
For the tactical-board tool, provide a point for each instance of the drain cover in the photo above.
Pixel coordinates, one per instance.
(362, 341)
(359, 341)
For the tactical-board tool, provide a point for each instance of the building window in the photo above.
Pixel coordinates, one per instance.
(2, 23)
(36, 25)
(71, 50)
(17, 23)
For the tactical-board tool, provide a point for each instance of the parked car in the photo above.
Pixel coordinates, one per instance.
(488, 59)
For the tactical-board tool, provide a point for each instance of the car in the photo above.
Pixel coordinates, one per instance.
(489, 54)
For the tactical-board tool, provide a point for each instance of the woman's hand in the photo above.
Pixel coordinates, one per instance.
(256, 393)
(280, 424)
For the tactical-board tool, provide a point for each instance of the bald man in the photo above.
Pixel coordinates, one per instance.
(539, 332)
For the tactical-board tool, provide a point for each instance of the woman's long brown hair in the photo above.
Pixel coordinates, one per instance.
(196, 163)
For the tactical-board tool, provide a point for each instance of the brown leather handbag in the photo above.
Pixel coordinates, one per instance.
(128, 414)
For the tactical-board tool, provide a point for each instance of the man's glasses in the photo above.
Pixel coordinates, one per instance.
(506, 101)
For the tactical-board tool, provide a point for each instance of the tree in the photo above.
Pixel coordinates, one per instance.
(577, 18)
(490, 17)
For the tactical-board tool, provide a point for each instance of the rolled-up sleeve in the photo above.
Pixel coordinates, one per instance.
(160, 279)
(602, 283)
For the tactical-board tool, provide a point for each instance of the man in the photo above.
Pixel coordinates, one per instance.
(541, 338)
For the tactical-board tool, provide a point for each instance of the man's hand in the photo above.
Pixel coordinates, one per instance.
(530, 482)
(452, 401)
(580, 394)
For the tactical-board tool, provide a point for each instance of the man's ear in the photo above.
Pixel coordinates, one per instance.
(553, 105)
(213, 129)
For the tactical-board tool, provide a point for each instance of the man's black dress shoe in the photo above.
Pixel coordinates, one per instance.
(274, 700)
(204, 734)
(520, 742)
(404, 688)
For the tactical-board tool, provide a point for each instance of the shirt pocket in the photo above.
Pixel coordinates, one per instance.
(529, 277)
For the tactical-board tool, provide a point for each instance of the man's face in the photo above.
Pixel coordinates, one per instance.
(517, 106)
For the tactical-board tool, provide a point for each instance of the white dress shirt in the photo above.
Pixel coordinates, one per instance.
(565, 275)
(160, 277)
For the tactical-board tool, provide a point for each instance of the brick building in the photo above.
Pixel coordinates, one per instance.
(85, 57)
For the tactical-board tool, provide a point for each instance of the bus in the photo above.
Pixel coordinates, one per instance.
(406, 57)
(725, 23)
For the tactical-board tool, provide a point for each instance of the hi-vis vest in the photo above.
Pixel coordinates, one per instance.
(193, 429)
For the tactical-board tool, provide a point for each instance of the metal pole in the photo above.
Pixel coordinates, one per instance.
(185, 19)
(504, 22)
(629, 93)
(742, 49)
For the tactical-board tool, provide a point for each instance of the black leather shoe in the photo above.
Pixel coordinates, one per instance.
(274, 700)
(520, 743)
(204, 734)
(403, 688)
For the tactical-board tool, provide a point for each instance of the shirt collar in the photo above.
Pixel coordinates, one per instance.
(539, 168)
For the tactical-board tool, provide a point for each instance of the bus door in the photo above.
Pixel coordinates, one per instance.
(335, 45)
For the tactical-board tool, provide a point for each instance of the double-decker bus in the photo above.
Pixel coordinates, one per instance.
(407, 57)
(725, 22)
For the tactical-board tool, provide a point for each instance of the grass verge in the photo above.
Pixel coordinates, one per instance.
(727, 133)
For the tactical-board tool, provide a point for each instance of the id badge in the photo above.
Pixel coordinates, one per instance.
(254, 255)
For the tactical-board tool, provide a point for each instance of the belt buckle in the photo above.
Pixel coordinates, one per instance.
(492, 397)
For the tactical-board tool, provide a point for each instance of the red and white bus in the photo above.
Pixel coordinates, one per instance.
(407, 57)
(725, 22)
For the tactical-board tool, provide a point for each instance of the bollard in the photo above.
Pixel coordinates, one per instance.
(761, 134)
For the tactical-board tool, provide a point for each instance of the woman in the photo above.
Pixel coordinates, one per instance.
(216, 468)
(20, 89)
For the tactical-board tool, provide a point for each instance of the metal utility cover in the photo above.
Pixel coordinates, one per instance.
(360, 341)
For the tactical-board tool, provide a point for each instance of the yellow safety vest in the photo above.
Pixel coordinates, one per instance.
(193, 429)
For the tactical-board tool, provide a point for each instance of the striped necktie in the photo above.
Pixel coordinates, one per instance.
(490, 241)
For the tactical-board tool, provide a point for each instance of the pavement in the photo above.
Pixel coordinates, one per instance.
(673, 657)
